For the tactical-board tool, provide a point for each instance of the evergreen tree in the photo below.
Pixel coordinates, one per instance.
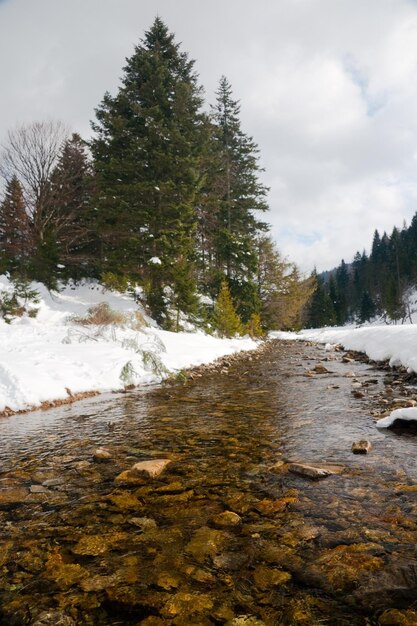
(72, 185)
(367, 308)
(320, 311)
(226, 320)
(147, 152)
(238, 197)
(16, 241)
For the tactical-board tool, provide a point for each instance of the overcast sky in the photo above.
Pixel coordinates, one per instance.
(328, 90)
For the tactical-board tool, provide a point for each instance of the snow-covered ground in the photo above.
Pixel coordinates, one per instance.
(396, 344)
(49, 357)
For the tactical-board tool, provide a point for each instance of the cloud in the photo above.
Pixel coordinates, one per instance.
(327, 88)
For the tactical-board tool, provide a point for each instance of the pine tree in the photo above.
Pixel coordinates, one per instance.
(320, 311)
(367, 308)
(147, 152)
(16, 237)
(238, 196)
(72, 185)
(226, 320)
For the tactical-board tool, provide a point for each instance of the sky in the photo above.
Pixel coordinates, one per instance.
(328, 91)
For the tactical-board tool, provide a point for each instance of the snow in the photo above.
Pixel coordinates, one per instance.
(49, 357)
(408, 415)
(395, 344)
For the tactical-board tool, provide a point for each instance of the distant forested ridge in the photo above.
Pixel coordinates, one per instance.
(167, 196)
(378, 284)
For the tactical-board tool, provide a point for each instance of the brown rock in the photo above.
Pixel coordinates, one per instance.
(394, 617)
(361, 447)
(313, 471)
(147, 469)
(206, 542)
(226, 519)
(266, 577)
(53, 618)
(12, 497)
(102, 455)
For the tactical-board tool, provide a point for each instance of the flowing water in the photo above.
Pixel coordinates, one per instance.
(78, 547)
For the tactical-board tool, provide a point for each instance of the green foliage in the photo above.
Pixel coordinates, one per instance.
(19, 301)
(320, 311)
(115, 282)
(283, 292)
(147, 150)
(225, 319)
(233, 196)
(127, 374)
(254, 327)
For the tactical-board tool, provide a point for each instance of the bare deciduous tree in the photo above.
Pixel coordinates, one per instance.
(31, 154)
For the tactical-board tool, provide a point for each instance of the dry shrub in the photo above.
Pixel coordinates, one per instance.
(101, 315)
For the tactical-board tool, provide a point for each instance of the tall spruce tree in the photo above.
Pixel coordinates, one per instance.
(147, 150)
(237, 196)
(16, 237)
(71, 224)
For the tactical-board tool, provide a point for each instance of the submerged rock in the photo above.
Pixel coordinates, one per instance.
(313, 471)
(206, 542)
(143, 469)
(267, 577)
(245, 620)
(183, 603)
(227, 519)
(394, 617)
(53, 618)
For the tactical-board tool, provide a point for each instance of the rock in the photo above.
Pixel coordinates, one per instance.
(276, 467)
(313, 471)
(230, 561)
(53, 618)
(206, 542)
(245, 620)
(147, 469)
(200, 575)
(38, 489)
(143, 523)
(168, 581)
(227, 519)
(12, 497)
(394, 617)
(102, 455)
(125, 501)
(94, 545)
(183, 603)
(266, 577)
(361, 447)
(321, 369)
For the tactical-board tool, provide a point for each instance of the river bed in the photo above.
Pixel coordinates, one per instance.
(226, 534)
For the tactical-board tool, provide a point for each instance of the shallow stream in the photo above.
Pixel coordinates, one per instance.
(78, 547)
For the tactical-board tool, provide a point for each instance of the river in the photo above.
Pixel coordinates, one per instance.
(226, 534)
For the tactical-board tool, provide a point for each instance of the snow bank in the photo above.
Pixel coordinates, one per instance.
(396, 344)
(408, 415)
(49, 357)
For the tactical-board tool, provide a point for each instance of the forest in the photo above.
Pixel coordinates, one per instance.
(378, 285)
(165, 199)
